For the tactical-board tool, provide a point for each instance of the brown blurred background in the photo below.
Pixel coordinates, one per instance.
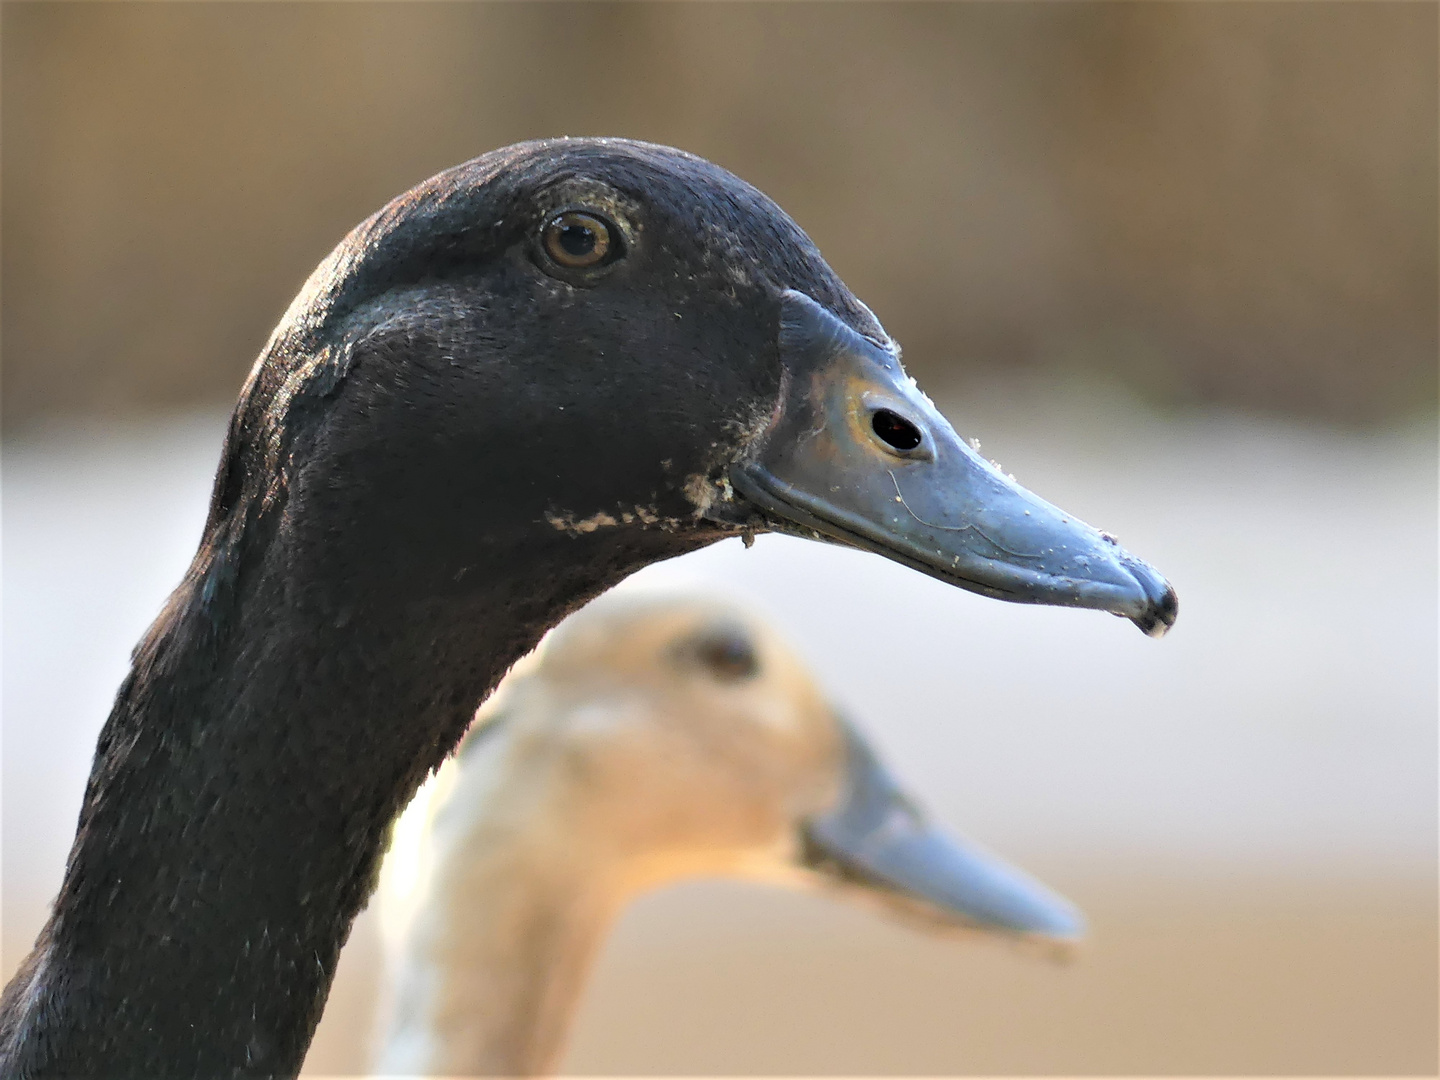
(1211, 202)
(1176, 263)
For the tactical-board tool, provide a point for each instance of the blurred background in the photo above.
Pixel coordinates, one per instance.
(1175, 265)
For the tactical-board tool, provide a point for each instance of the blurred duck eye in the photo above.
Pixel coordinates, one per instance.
(728, 655)
(578, 241)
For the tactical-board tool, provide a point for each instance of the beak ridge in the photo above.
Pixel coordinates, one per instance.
(877, 840)
(858, 455)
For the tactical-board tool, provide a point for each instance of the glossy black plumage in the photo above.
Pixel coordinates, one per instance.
(382, 544)
(448, 444)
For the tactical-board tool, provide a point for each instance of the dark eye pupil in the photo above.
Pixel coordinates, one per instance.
(895, 430)
(729, 656)
(577, 240)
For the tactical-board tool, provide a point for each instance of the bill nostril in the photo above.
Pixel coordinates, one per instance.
(895, 431)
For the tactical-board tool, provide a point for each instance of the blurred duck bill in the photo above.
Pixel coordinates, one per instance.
(878, 841)
(858, 455)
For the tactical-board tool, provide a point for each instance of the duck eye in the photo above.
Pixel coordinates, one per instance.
(728, 655)
(894, 430)
(577, 241)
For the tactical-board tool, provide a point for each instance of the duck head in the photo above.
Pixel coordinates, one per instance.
(620, 344)
(651, 739)
(671, 737)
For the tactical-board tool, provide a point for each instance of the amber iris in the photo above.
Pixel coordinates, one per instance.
(577, 240)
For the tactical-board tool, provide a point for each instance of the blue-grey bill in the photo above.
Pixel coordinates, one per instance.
(858, 455)
(876, 839)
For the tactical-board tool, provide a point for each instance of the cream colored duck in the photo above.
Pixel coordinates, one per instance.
(654, 739)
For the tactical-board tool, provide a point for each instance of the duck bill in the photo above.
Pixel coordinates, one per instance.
(856, 454)
(879, 842)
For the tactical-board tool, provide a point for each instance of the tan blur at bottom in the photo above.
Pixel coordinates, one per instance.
(1179, 977)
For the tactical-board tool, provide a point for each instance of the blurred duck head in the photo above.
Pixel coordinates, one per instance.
(658, 738)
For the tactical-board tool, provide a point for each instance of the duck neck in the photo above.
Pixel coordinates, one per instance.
(240, 794)
(490, 969)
